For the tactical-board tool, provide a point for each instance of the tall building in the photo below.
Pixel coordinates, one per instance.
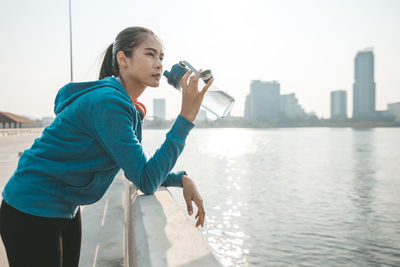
(289, 107)
(338, 105)
(364, 85)
(247, 106)
(262, 104)
(394, 110)
(159, 108)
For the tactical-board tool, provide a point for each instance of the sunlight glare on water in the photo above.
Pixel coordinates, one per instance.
(225, 143)
(302, 196)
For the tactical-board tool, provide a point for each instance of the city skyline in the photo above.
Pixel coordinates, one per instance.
(307, 46)
(265, 103)
(260, 103)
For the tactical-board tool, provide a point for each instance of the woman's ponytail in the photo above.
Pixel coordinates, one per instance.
(107, 68)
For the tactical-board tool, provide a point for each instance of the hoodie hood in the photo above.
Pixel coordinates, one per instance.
(71, 91)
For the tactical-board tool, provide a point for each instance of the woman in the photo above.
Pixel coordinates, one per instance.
(97, 131)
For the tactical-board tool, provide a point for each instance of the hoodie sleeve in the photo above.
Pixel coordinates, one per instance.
(112, 123)
(174, 179)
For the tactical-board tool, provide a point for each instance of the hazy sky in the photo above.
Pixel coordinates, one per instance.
(308, 46)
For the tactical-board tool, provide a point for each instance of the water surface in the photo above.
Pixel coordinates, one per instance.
(296, 196)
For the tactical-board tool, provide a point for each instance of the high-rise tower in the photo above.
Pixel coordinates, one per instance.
(364, 85)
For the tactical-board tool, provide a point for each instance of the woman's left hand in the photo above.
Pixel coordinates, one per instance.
(190, 194)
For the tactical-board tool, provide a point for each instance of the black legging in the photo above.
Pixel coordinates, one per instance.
(40, 241)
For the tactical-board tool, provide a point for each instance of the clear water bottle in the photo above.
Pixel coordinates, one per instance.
(215, 100)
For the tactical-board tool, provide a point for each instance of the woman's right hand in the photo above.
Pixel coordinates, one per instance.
(191, 96)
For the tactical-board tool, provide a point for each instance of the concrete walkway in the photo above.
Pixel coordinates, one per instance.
(103, 229)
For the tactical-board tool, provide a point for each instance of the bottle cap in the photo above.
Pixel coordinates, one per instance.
(175, 75)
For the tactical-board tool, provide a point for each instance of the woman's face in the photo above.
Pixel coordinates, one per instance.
(144, 67)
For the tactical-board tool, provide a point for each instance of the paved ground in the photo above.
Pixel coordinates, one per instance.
(103, 229)
(102, 222)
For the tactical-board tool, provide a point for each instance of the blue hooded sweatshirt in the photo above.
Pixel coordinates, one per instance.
(97, 131)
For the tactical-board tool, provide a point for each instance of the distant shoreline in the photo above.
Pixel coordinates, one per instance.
(274, 127)
(228, 124)
(305, 124)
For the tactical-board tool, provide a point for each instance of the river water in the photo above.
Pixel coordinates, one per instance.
(296, 196)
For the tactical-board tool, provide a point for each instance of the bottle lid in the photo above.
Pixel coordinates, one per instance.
(175, 75)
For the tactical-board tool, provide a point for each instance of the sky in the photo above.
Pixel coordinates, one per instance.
(307, 46)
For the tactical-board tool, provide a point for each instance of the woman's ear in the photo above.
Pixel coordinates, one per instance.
(122, 60)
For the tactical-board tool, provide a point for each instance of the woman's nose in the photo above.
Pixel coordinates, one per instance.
(159, 64)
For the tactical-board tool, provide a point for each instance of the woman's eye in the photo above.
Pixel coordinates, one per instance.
(150, 54)
(161, 58)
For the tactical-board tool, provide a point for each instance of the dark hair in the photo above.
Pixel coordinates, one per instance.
(126, 41)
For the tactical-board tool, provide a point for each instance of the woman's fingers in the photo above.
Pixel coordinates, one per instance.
(200, 212)
(200, 215)
(189, 207)
(205, 88)
(195, 79)
(185, 78)
(191, 96)
(200, 220)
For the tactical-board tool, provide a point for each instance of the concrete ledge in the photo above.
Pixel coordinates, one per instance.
(159, 233)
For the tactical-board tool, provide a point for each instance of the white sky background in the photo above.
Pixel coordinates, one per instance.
(308, 46)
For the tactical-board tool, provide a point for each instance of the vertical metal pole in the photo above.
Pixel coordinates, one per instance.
(70, 40)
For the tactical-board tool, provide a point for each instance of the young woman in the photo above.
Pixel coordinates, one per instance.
(97, 131)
